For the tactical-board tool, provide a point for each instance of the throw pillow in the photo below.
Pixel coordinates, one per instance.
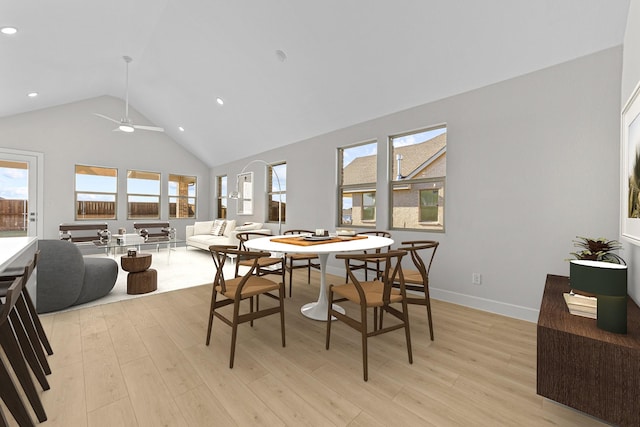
(229, 227)
(218, 227)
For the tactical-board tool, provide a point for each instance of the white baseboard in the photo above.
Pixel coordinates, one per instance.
(492, 306)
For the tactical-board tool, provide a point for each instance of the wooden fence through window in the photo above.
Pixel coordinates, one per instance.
(13, 215)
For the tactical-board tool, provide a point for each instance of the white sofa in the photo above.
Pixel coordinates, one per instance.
(199, 235)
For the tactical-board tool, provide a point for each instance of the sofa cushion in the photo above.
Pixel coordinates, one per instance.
(202, 227)
(249, 226)
(218, 227)
(229, 227)
(208, 239)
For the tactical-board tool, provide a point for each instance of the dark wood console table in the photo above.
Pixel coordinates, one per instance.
(581, 366)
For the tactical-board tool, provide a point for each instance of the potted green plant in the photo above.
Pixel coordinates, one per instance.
(599, 249)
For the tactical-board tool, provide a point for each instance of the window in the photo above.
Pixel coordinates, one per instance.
(369, 206)
(222, 196)
(428, 205)
(418, 171)
(182, 196)
(96, 192)
(277, 192)
(357, 184)
(143, 195)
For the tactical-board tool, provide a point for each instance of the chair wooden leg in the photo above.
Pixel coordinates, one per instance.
(32, 333)
(27, 349)
(329, 317)
(12, 350)
(234, 331)
(36, 322)
(290, 277)
(11, 398)
(251, 309)
(283, 293)
(405, 315)
(211, 314)
(428, 304)
(363, 331)
(3, 419)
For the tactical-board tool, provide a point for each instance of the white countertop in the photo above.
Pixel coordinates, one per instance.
(12, 247)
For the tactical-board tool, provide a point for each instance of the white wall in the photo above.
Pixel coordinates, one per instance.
(532, 163)
(70, 134)
(630, 80)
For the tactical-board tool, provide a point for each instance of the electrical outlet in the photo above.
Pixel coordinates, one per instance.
(476, 279)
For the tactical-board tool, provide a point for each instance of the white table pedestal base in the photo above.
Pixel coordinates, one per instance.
(318, 310)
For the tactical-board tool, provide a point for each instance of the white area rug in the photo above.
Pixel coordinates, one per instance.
(177, 269)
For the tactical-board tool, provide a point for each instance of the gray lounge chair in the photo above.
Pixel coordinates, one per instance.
(66, 278)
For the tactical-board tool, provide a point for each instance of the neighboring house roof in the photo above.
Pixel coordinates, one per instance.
(414, 158)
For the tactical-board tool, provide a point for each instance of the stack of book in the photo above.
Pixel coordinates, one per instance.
(581, 305)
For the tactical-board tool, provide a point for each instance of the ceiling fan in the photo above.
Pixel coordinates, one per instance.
(125, 124)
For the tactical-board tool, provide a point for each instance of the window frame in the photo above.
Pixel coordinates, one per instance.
(271, 192)
(97, 193)
(144, 195)
(365, 207)
(222, 196)
(407, 183)
(179, 197)
(351, 189)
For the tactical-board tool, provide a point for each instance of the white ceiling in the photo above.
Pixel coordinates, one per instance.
(347, 60)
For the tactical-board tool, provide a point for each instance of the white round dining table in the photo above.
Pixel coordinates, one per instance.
(318, 310)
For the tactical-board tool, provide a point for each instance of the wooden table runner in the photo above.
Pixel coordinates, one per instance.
(300, 241)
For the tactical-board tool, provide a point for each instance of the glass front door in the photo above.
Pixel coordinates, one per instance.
(19, 193)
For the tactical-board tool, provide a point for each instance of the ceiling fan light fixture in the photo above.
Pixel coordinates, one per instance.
(125, 124)
(9, 31)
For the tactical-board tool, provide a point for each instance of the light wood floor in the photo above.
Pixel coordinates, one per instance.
(143, 362)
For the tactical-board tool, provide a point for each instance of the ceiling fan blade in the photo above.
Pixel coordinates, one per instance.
(153, 128)
(108, 118)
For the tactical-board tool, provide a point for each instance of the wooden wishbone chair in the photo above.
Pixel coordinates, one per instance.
(266, 264)
(293, 261)
(26, 304)
(418, 280)
(24, 323)
(371, 264)
(9, 329)
(377, 294)
(240, 288)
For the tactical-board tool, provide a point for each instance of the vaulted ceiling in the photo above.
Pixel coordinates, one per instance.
(287, 70)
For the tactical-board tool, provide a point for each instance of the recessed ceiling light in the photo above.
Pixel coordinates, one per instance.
(220, 101)
(8, 30)
(32, 94)
(180, 128)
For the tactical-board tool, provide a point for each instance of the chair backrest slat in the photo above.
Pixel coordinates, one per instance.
(414, 247)
(391, 262)
(11, 296)
(220, 254)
